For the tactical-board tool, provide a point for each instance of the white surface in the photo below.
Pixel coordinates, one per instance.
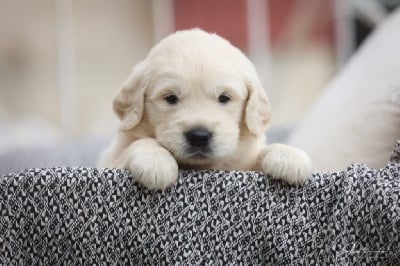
(26, 133)
(357, 119)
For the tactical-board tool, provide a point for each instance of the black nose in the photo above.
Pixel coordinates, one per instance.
(198, 137)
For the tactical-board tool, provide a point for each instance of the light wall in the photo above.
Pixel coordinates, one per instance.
(62, 61)
(85, 47)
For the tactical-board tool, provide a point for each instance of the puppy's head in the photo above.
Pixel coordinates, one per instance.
(197, 95)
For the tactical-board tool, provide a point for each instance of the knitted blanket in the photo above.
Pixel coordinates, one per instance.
(70, 216)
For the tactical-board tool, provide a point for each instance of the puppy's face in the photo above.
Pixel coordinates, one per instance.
(197, 114)
(196, 94)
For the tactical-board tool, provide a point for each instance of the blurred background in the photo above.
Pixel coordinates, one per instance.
(62, 61)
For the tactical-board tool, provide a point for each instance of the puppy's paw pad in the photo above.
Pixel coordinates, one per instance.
(287, 163)
(156, 170)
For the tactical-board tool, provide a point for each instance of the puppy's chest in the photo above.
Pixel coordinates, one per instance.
(226, 165)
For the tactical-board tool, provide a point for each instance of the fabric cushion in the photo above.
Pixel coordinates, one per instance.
(357, 118)
(92, 216)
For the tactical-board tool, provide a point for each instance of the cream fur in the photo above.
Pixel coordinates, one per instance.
(197, 67)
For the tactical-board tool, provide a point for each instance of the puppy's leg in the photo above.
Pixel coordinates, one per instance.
(149, 163)
(285, 162)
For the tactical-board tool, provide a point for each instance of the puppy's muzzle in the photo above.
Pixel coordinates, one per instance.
(198, 137)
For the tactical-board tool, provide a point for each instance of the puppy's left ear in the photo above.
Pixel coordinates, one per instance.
(258, 111)
(128, 104)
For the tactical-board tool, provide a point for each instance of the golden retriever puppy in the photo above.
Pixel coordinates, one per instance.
(196, 102)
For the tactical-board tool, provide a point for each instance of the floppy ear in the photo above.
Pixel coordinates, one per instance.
(258, 111)
(128, 104)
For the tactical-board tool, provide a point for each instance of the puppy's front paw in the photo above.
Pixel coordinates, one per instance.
(287, 163)
(152, 165)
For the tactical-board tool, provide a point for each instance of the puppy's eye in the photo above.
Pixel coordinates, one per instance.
(171, 98)
(224, 98)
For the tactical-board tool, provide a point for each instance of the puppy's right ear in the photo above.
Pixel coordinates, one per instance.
(129, 102)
